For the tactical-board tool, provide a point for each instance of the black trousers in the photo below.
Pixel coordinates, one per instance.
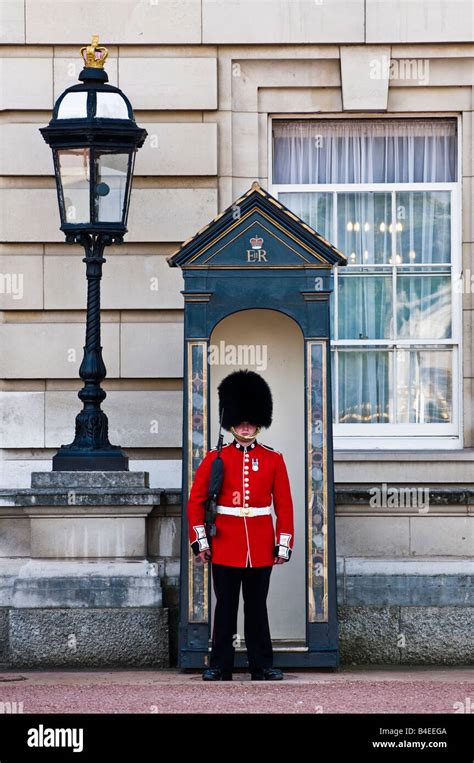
(255, 582)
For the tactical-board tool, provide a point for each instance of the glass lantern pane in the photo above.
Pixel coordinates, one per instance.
(73, 106)
(111, 106)
(110, 186)
(129, 186)
(74, 168)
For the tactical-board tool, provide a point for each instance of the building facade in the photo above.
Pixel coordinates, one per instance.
(358, 116)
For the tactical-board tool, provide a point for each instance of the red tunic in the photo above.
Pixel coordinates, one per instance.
(253, 475)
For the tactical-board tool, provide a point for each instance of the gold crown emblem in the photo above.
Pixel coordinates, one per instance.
(94, 55)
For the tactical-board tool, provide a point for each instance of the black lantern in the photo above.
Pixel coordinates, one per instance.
(94, 139)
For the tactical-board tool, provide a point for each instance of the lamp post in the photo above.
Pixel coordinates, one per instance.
(94, 138)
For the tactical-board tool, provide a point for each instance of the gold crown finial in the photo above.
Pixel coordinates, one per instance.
(94, 55)
(255, 185)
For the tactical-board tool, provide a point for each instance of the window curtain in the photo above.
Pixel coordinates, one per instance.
(377, 151)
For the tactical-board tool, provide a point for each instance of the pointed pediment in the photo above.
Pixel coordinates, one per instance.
(257, 231)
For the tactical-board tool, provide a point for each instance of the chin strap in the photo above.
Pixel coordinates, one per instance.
(247, 438)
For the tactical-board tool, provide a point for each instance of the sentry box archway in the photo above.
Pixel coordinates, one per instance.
(258, 254)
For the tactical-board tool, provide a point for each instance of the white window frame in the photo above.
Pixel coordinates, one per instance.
(399, 436)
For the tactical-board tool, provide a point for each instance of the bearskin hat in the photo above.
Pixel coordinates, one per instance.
(245, 396)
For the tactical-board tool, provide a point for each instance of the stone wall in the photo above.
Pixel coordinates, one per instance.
(205, 78)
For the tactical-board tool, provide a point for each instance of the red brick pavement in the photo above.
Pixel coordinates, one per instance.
(353, 690)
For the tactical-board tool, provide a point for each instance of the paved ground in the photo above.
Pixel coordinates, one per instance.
(349, 690)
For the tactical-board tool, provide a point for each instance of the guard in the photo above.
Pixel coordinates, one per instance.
(244, 547)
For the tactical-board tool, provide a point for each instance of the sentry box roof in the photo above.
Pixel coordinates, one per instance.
(256, 231)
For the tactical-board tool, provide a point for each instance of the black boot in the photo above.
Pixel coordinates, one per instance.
(267, 674)
(216, 674)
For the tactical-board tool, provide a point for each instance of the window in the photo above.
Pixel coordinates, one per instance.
(385, 192)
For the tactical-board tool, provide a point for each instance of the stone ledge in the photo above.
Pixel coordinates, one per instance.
(41, 584)
(461, 494)
(171, 496)
(33, 583)
(120, 479)
(130, 495)
(405, 582)
(407, 590)
(82, 497)
(359, 565)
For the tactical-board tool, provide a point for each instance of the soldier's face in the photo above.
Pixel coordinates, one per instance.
(246, 429)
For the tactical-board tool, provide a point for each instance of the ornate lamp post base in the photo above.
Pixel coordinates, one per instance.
(75, 460)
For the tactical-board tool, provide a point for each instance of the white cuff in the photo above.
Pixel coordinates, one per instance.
(201, 537)
(284, 545)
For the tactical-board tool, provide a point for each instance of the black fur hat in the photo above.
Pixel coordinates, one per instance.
(245, 396)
